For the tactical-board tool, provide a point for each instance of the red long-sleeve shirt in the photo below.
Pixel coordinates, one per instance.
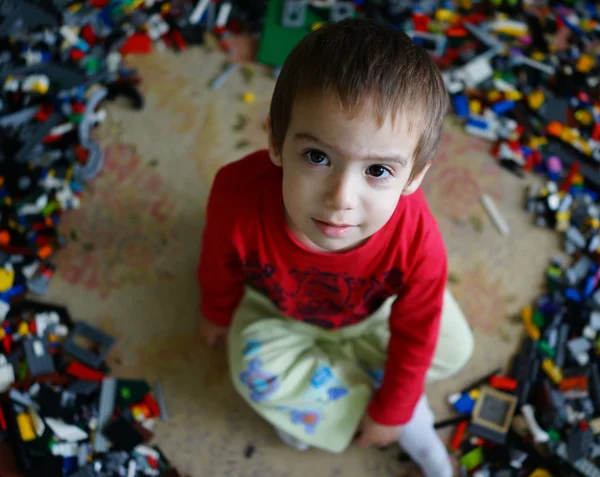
(246, 242)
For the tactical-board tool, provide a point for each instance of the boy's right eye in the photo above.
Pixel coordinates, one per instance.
(316, 157)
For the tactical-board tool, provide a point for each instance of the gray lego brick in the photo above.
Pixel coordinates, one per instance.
(39, 361)
(105, 410)
(93, 358)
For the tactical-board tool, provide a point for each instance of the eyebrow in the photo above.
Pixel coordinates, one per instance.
(400, 159)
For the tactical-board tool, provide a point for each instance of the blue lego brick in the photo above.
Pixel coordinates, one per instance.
(76, 187)
(573, 295)
(477, 123)
(502, 107)
(590, 284)
(461, 105)
(465, 404)
(14, 291)
(547, 307)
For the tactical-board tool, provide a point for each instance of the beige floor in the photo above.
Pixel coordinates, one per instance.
(130, 266)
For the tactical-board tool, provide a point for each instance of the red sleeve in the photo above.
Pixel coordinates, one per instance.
(414, 328)
(219, 275)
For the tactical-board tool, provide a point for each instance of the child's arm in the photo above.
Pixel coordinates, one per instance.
(219, 275)
(414, 327)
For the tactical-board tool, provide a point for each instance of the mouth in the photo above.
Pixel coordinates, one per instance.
(332, 229)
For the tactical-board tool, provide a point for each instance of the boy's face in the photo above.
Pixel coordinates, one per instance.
(342, 175)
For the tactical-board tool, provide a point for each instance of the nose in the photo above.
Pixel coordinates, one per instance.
(341, 192)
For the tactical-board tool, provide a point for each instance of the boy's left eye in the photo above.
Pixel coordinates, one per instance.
(377, 171)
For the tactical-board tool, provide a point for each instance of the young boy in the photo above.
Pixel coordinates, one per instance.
(321, 261)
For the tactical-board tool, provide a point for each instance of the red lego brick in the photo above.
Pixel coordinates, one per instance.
(81, 371)
(139, 43)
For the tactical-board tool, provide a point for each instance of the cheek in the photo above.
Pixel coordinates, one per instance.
(381, 207)
(296, 193)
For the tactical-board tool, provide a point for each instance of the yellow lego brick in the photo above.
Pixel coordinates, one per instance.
(538, 56)
(474, 394)
(584, 117)
(513, 95)
(248, 97)
(474, 107)
(585, 63)
(25, 427)
(535, 99)
(445, 15)
(553, 372)
(540, 473)
(537, 142)
(593, 222)
(532, 330)
(568, 135)
(7, 278)
(23, 329)
(138, 414)
(511, 31)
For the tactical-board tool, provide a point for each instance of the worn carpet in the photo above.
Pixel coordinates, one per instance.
(133, 247)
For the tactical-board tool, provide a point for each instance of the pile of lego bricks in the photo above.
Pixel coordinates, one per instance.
(60, 412)
(59, 60)
(542, 417)
(528, 83)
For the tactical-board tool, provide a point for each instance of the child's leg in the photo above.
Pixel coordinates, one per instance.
(423, 445)
(455, 343)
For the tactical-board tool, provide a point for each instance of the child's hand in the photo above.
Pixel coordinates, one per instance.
(211, 333)
(372, 433)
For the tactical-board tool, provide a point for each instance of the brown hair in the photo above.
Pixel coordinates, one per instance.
(368, 65)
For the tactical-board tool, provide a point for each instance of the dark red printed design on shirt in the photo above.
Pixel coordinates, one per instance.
(327, 300)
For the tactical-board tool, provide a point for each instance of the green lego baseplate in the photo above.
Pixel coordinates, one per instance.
(278, 41)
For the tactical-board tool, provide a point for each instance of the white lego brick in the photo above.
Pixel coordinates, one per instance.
(477, 71)
(453, 85)
(198, 11)
(7, 377)
(65, 449)
(30, 270)
(223, 15)
(589, 332)
(66, 432)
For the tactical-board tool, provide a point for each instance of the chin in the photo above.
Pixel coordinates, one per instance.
(335, 245)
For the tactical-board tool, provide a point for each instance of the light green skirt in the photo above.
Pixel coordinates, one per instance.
(313, 383)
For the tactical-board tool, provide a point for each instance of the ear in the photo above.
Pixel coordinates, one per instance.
(415, 183)
(274, 154)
